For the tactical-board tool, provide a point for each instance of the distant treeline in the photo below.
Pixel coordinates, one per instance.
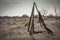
(23, 16)
(26, 16)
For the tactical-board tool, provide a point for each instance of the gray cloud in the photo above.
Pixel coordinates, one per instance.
(17, 5)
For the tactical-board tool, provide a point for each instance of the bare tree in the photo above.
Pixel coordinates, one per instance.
(55, 11)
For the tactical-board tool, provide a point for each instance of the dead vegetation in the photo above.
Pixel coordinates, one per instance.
(15, 28)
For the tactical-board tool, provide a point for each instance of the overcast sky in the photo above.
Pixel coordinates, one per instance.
(20, 7)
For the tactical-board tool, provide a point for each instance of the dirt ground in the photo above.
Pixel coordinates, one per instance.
(15, 29)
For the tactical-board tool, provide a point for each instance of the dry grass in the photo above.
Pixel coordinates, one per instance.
(15, 29)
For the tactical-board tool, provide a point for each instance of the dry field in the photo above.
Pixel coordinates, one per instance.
(15, 29)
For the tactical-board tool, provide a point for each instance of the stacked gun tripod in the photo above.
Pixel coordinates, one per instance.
(41, 21)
